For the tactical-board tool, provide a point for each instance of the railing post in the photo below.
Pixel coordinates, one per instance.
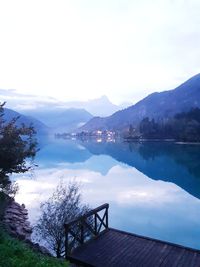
(95, 224)
(106, 217)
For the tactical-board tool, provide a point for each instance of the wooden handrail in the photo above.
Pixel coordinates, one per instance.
(80, 230)
(88, 214)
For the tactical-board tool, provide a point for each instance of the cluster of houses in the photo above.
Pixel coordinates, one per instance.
(99, 135)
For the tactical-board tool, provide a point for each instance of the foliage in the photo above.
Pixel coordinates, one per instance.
(63, 206)
(15, 253)
(183, 126)
(17, 144)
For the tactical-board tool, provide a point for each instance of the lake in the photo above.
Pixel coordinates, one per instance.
(153, 188)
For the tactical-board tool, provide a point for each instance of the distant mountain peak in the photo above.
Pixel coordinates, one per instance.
(103, 96)
(102, 99)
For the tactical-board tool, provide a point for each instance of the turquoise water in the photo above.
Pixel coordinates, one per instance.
(153, 188)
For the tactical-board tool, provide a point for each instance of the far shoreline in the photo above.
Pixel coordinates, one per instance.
(130, 140)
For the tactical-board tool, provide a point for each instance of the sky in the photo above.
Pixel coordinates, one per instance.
(82, 49)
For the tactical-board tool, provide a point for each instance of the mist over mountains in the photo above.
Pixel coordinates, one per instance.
(56, 115)
(25, 103)
(61, 120)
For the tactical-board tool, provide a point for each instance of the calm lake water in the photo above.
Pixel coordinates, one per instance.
(153, 188)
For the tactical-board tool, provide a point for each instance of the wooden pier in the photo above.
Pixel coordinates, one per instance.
(90, 242)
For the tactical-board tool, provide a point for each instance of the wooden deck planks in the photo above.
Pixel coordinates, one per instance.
(118, 248)
(189, 259)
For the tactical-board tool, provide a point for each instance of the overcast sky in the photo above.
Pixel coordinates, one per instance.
(82, 49)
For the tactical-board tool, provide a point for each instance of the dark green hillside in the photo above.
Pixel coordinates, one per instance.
(184, 126)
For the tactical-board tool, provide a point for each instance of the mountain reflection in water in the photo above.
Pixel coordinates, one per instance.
(179, 164)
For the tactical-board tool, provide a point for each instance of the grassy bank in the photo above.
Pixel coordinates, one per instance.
(15, 253)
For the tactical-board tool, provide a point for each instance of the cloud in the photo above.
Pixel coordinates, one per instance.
(83, 49)
(20, 101)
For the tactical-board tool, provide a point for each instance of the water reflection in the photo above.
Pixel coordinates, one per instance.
(179, 164)
(119, 173)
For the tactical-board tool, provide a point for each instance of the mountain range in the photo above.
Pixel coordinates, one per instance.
(54, 116)
(157, 105)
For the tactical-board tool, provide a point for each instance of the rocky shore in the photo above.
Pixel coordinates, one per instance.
(16, 221)
(17, 224)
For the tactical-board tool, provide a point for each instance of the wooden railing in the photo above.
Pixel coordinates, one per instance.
(82, 229)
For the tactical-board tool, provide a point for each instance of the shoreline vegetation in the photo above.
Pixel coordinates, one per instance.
(182, 127)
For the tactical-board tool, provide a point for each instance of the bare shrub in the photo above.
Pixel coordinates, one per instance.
(63, 206)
